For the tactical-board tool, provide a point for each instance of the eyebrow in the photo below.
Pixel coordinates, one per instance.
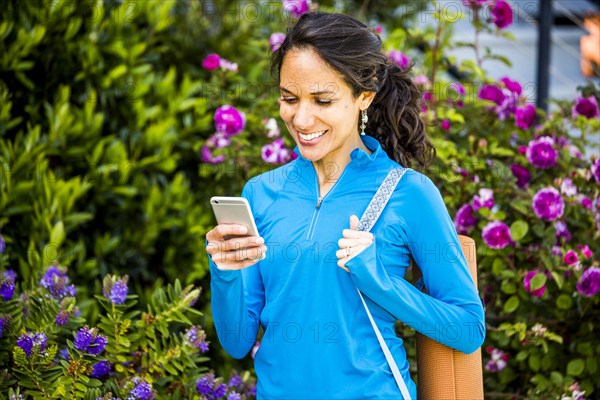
(313, 93)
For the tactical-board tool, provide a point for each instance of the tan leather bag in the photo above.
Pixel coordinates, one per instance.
(444, 373)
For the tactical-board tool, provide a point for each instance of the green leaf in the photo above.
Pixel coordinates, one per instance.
(518, 230)
(538, 281)
(556, 378)
(564, 302)
(522, 356)
(508, 287)
(57, 236)
(512, 304)
(534, 362)
(575, 367)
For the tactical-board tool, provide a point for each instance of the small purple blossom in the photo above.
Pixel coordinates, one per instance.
(445, 125)
(496, 235)
(498, 360)
(98, 345)
(571, 257)
(57, 282)
(586, 106)
(277, 153)
(464, 219)
(275, 40)
(502, 15)
(235, 381)
(115, 288)
(562, 231)
(568, 188)
(207, 156)
(234, 396)
(492, 93)
(142, 390)
(31, 341)
(100, 370)
(62, 317)
(2, 244)
(595, 169)
(458, 87)
(2, 324)
(589, 283)
(525, 116)
(541, 153)
(296, 8)
(7, 284)
(195, 337)
(513, 86)
(548, 204)
(400, 59)
(585, 201)
(421, 80)
(88, 340)
(229, 120)
(585, 251)
(211, 62)
(484, 199)
(521, 174)
(539, 292)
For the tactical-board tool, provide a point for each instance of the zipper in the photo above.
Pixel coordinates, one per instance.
(315, 216)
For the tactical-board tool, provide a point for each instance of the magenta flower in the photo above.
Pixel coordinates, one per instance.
(527, 285)
(595, 169)
(445, 125)
(492, 93)
(209, 158)
(275, 40)
(525, 116)
(211, 61)
(498, 360)
(484, 199)
(585, 251)
(219, 140)
(571, 257)
(562, 231)
(568, 188)
(496, 235)
(585, 201)
(586, 106)
(401, 59)
(514, 86)
(229, 120)
(296, 7)
(502, 15)
(421, 80)
(521, 174)
(541, 153)
(464, 219)
(548, 204)
(277, 153)
(589, 283)
(458, 88)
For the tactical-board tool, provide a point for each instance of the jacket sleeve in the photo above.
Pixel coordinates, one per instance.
(452, 312)
(237, 300)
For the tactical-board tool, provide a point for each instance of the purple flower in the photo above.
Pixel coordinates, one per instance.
(521, 174)
(277, 153)
(2, 324)
(496, 235)
(586, 106)
(446, 125)
(514, 86)
(195, 337)
(401, 59)
(548, 204)
(595, 168)
(207, 156)
(571, 257)
(567, 188)
(585, 201)
(205, 384)
(89, 341)
(525, 116)
(589, 283)
(562, 231)
(502, 14)
(527, 285)
(497, 361)
(57, 282)
(459, 88)
(492, 93)
(98, 345)
(541, 153)
(142, 390)
(211, 62)
(32, 341)
(484, 199)
(296, 7)
(234, 396)
(229, 120)
(7, 284)
(235, 381)
(115, 288)
(464, 219)
(275, 40)
(100, 370)
(585, 251)
(2, 244)
(62, 317)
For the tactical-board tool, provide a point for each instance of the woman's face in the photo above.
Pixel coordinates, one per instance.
(318, 108)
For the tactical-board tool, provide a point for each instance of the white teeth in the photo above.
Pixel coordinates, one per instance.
(312, 136)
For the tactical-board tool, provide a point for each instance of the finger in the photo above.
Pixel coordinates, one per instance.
(240, 255)
(237, 265)
(354, 222)
(342, 265)
(351, 234)
(343, 243)
(222, 230)
(240, 243)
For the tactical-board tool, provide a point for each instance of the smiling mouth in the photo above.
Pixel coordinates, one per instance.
(311, 136)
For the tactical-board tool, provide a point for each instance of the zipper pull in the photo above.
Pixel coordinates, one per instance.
(319, 202)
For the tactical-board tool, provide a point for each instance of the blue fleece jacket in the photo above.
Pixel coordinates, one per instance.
(318, 342)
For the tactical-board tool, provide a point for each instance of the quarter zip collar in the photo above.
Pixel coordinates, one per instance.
(358, 153)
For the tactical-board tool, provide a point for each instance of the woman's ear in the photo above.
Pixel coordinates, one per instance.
(365, 99)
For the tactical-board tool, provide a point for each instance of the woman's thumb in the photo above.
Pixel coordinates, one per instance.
(354, 222)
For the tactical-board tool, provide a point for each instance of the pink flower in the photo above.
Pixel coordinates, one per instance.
(541, 153)
(521, 174)
(547, 204)
(589, 283)
(502, 14)
(378, 29)
(498, 360)
(585, 251)
(513, 86)
(585, 201)
(527, 285)
(496, 235)
(458, 88)
(445, 125)
(421, 80)
(277, 153)
(571, 257)
(586, 106)
(595, 169)
(228, 65)
(401, 59)
(272, 128)
(525, 116)
(229, 120)
(568, 188)
(464, 219)
(275, 40)
(211, 61)
(484, 199)
(522, 149)
(491, 93)
(296, 7)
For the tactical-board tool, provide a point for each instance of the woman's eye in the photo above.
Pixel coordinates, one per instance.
(324, 102)
(289, 99)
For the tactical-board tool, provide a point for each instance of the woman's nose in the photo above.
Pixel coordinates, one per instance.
(304, 116)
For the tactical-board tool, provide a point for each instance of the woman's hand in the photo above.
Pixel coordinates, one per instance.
(235, 252)
(352, 243)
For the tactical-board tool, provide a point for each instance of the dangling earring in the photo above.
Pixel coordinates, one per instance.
(364, 120)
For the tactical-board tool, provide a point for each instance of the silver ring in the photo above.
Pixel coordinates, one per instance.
(346, 254)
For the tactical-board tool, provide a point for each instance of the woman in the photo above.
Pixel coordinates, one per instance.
(318, 342)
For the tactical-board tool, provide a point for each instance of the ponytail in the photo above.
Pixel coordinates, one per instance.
(395, 121)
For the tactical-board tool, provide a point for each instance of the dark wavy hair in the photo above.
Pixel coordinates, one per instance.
(354, 51)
